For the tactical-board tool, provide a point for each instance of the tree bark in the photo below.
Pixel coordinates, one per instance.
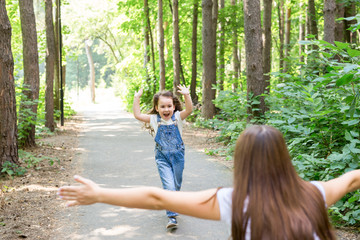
(176, 47)
(92, 71)
(312, 19)
(57, 60)
(267, 43)
(329, 20)
(193, 84)
(31, 70)
(146, 42)
(301, 32)
(281, 16)
(209, 59)
(8, 118)
(339, 25)
(287, 38)
(254, 65)
(161, 45)
(236, 60)
(50, 61)
(222, 49)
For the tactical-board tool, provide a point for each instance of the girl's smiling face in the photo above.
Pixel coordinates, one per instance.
(165, 107)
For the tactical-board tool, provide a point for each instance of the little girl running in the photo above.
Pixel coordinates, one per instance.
(166, 122)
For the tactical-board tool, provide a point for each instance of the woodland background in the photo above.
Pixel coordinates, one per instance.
(290, 64)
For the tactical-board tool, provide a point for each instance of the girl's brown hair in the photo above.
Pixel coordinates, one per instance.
(169, 94)
(280, 204)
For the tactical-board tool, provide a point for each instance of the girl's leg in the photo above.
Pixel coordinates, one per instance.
(166, 175)
(178, 168)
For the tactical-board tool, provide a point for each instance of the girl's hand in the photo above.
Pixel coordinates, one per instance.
(183, 90)
(85, 194)
(139, 93)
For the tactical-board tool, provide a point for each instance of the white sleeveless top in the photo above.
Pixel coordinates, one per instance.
(224, 197)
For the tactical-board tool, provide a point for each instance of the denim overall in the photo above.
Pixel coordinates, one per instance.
(169, 156)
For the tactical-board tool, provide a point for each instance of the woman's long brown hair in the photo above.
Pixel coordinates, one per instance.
(280, 204)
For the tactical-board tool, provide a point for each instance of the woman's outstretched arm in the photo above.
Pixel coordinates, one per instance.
(336, 188)
(202, 204)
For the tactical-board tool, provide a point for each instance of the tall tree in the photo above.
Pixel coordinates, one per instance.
(193, 84)
(209, 59)
(31, 70)
(339, 25)
(350, 11)
(149, 44)
(161, 45)
(312, 22)
(254, 65)
(221, 47)
(50, 63)
(329, 20)
(57, 58)
(287, 38)
(267, 42)
(92, 70)
(281, 16)
(301, 31)
(176, 47)
(8, 118)
(236, 60)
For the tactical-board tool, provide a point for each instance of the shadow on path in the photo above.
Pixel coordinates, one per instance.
(118, 153)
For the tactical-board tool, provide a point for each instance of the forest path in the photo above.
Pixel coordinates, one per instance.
(116, 152)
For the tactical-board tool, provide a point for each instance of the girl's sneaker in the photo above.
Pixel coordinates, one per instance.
(172, 223)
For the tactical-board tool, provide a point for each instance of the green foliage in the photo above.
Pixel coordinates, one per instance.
(32, 161)
(12, 169)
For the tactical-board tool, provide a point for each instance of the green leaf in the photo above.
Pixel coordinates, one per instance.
(348, 136)
(341, 45)
(344, 79)
(351, 122)
(353, 52)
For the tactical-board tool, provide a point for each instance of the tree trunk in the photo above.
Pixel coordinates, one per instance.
(312, 19)
(193, 94)
(267, 43)
(57, 60)
(339, 25)
(329, 20)
(92, 71)
(301, 32)
(147, 42)
(50, 60)
(236, 60)
(287, 38)
(161, 45)
(209, 59)
(31, 70)
(147, 14)
(222, 49)
(350, 11)
(176, 47)
(8, 119)
(281, 15)
(254, 65)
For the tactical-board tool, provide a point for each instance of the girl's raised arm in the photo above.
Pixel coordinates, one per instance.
(336, 188)
(201, 204)
(136, 108)
(188, 102)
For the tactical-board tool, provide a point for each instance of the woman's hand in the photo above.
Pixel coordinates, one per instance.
(86, 194)
(183, 90)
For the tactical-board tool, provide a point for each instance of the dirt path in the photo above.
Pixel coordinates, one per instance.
(29, 207)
